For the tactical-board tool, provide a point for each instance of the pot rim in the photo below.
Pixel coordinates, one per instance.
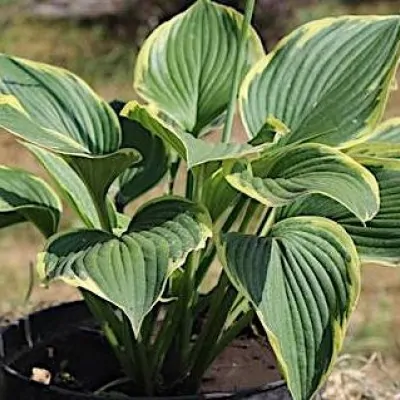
(21, 323)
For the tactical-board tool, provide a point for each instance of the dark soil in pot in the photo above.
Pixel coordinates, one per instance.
(65, 341)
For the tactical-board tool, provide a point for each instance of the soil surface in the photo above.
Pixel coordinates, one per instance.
(74, 355)
(246, 363)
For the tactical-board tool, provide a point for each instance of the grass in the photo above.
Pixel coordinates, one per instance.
(88, 50)
(334, 8)
(106, 63)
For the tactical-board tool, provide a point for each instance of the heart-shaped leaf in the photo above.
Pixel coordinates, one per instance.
(193, 150)
(25, 197)
(377, 240)
(303, 281)
(52, 108)
(327, 82)
(150, 170)
(186, 66)
(130, 270)
(282, 176)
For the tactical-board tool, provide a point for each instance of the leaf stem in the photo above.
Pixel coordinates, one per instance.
(211, 251)
(198, 183)
(104, 218)
(233, 331)
(222, 299)
(205, 262)
(145, 367)
(268, 222)
(189, 185)
(240, 56)
(165, 337)
(112, 384)
(174, 340)
(172, 174)
(253, 211)
(100, 203)
(188, 296)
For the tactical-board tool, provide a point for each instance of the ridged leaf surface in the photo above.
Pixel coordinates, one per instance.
(377, 240)
(303, 280)
(54, 109)
(327, 82)
(281, 177)
(382, 148)
(193, 150)
(186, 66)
(130, 270)
(144, 175)
(24, 197)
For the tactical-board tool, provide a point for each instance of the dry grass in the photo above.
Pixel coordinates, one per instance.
(361, 378)
(370, 366)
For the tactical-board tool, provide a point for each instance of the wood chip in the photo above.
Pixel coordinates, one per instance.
(41, 375)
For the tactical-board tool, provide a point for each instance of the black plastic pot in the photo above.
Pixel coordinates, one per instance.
(71, 330)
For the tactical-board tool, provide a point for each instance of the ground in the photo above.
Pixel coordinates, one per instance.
(107, 65)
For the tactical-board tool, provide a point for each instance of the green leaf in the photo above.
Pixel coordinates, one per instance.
(387, 132)
(53, 109)
(100, 172)
(193, 150)
(218, 194)
(282, 176)
(271, 131)
(328, 81)
(376, 154)
(382, 148)
(25, 197)
(186, 66)
(377, 240)
(303, 281)
(68, 183)
(147, 173)
(130, 270)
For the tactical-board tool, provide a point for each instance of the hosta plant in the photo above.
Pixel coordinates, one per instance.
(290, 212)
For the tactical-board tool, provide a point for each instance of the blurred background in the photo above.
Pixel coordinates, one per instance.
(98, 40)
